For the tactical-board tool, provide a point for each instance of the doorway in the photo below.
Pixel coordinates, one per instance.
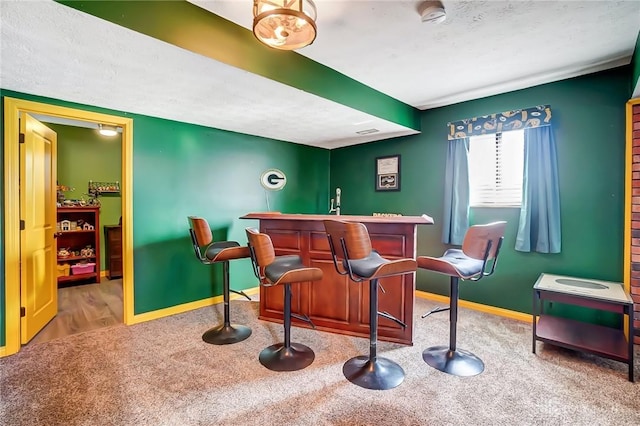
(13, 285)
(88, 175)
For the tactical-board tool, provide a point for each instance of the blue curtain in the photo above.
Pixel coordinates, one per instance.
(455, 221)
(539, 227)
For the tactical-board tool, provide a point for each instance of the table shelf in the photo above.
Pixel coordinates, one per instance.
(596, 339)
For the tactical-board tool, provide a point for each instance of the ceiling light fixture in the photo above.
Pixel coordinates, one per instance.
(432, 12)
(284, 24)
(107, 130)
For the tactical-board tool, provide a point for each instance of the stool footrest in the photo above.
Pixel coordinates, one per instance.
(435, 311)
(304, 318)
(240, 292)
(387, 315)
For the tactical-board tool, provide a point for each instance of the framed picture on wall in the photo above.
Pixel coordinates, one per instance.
(388, 173)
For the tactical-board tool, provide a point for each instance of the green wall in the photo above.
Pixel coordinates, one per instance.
(635, 64)
(181, 169)
(589, 125)
(83, 155)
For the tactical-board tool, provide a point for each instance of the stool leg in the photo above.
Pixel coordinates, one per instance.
(287, 356)
(373, 372)
(450, 360)
(226, 333)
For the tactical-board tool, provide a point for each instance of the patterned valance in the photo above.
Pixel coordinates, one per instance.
(501, 122)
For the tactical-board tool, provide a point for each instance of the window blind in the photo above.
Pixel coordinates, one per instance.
(496, 169)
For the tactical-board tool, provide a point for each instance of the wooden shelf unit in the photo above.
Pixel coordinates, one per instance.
(113, 250)
(76, 240)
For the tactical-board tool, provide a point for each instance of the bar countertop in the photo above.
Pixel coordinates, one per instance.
(418, 220)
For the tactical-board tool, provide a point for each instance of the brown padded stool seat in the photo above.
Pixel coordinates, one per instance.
(219, 252)
(353, 255)
(274, 270)
(477, 258)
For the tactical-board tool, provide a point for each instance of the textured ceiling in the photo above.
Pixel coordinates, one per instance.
(483, 48)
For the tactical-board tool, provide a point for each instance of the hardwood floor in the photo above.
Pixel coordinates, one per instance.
(83, 308)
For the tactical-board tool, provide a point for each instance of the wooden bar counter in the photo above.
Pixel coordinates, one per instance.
(336, 303)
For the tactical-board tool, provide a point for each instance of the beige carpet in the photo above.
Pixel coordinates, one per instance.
(162, 373)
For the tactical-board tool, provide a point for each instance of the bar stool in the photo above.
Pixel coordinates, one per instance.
(353, 255)
(219, 252)
(477, 258)
(274, 270)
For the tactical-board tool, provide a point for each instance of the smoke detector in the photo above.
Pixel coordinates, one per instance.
(432, 12)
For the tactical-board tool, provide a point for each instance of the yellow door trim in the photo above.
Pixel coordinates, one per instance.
(12, 109)
(628, 194)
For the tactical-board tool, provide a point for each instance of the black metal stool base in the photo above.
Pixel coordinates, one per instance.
(278, 358)
(380, 374)
(458, 363)
(226, 334)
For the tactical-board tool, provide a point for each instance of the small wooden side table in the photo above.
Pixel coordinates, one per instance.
(603, 341)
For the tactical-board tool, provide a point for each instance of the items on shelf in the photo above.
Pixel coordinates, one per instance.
(82, 268)
(103, 187)
(64, 270)
(78, 244)
(66, 252)
(60, 190)
(87, 251)
(73, 225)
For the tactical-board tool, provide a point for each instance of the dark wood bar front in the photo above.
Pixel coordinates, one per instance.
(335, 303)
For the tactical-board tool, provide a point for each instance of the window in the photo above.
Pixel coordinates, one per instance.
(496, 169)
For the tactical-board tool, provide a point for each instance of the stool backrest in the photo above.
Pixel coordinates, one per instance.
(336, 232)
(200, 236)
(357, 241)
(348, 240)
(201, 232)
(262, 251)
(480, 237)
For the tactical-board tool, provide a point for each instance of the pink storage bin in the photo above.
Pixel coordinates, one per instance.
(82, 268)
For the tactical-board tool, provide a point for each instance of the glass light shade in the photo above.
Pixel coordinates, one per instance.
(284, 24)
(106, 130)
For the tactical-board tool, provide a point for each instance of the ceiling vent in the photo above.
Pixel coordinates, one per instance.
(432, 12)
(367, 132)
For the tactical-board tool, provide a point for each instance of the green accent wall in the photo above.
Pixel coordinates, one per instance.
(190, 27)
(181, 169)
(589, 125)
(635, 63)
(83, 155)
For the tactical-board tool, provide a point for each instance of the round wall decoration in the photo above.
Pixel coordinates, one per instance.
(273, 179)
